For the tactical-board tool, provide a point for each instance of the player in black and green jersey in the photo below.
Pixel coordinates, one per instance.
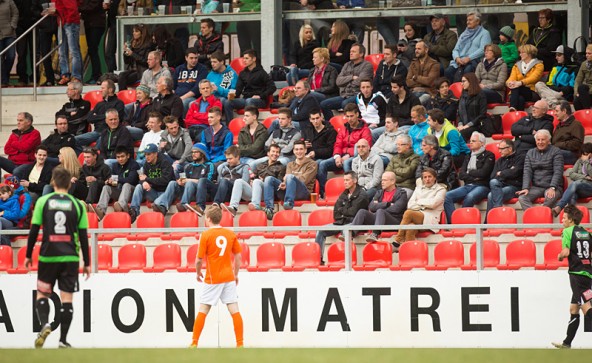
(64, 222)
(576, 248)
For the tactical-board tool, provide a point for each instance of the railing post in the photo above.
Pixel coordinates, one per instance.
(95, 250)
(479, 250)
(34, 63)
(348, 257)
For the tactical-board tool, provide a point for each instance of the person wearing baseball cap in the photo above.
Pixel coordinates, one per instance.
(559, 85)
(441, 40)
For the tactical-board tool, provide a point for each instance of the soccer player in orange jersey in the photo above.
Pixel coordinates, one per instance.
(219, 247)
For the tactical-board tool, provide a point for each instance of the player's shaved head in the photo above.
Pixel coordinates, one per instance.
(214, 213)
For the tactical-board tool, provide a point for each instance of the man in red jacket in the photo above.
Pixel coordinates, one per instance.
(197, 117)
(344, 149)
(21, 144)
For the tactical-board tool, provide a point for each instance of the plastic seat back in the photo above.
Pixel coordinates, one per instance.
(337, 122)
(449, 254)
(245, 255)
(255, 218)
(378, 255)
(333, 189)
(469, 215)
(269, 120)
(413, 254)
(6, 258)
(287, 218)
(494, 148)
(336, 255)
(306, 255)
(521, 253)
(551, 250)
(166, 257)
(235, 126)
(585, 118)
(501, 215)
(149, 221)
(536, 215)
(105, 256)
(374, 59)
(510, 118)
(127, 96)
(271, 255)
(491, 253)
(238, 64)
(182, 220)
(93, 97)
(131, 257)
(456, 89)
(115, 220)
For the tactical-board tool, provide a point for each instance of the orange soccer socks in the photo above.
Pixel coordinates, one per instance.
(198, 326)
(237, 320)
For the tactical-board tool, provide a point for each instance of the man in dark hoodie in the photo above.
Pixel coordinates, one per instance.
(113, 136)
(200, 167)
(319, 139)
(208, 41)
(76, 109)
(96, 116)
(388, 68)
(93, 175)
(58, 139)
(254, 84)
(154, 178)
(352, 200)
(166, 101)
(524, 129)
(120, 184)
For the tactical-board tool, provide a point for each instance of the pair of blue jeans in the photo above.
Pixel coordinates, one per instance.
(295, 190)
(71, 45)
(499, 193)
(575, 190)
(8, 58)
(470, 194)
(140, 194)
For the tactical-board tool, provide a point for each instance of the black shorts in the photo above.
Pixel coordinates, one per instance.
(66, 273)
(580, 285)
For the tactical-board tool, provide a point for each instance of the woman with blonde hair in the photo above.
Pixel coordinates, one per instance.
(339, 44)
(525, 74)
(69, 161)
(300, 56)
(323, 76)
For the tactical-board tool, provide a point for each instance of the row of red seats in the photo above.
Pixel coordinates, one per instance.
(306, 255)
(509, 118)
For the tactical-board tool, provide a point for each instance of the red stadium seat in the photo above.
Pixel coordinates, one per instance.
(254, 218)
(115, 220)
(501, 215)
(182, 220)
(336, 257)
(270, 255)
(130, 257)
(285, 218)
(585, 219)
(456, 89)
(374, 59)
(447, 254)
(508, 119)
(585, 117)
(333, 189)
(93, 97)
(165, 257)
(376, 255)
(6, 258)
(337, 122)
(238, 64)
(412, 254)
(148, 221)
(20, 260)
(105, 257)
(235, 126)
(127, 96)
(319, 217)
(304, 255)
(191, 256)
(519, 253)
(227, 219)
(535, 215)
(551, 251)
(555, 119)
(93, 220)
(491, 255)
(470, 215)
(494, 148)
(268, 121)
(245, 255)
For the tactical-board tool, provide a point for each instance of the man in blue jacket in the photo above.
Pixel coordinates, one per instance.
(217, 137)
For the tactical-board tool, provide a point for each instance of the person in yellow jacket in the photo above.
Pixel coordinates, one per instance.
(525, 74)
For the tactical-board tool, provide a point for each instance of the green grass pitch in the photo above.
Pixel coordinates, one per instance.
(289, 355)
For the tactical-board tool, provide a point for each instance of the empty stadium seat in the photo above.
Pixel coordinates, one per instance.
(115, 220)
(238, 64)
(336, 257)
(93, 97)
(519, 253)
(501, 215)
(149, 221)
(550, 252)
(535, 215)
(318, 217)
(374, 59)
(165, 257)
(227, 219)
(494, 148)
(304, 255)
(255, 218)
(447, 254)
(585, 219)
(269, 120)
(130, 257)
(333, 189)
(245, 255)
(105, 257)
(469, 215)
(6, 258)
(508, 119)
(376, 255)
(456, 89)
(412, 254)
(585, 118)
(93, 220)
(127, 96)
(20, 260)
(182, 220)
(285, 218)
(337, 122)
(491, 255)
(270, 255)
(235, 125)
(191, 256)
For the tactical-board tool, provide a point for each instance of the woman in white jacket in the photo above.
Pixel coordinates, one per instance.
(424, 207)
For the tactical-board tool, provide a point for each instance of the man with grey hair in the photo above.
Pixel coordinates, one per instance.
(469, 49)
(76, 109)
(154, 72)
(524, 129)
(475, 172)
(438, 159)
(404, 164)
(368, 167)
(166, 102)
(506, 177)
(543, 173)
(423, 71)
(21, 144)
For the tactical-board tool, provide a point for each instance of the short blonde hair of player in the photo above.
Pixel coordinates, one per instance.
(214, 214)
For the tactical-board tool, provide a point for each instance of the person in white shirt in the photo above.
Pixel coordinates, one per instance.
(154, 125)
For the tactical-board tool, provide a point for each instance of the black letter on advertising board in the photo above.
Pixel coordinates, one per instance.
(467, 308)
(115, 311)
(5, 317)
(57, 304)
(86, 312)
(376, 293)
(173, 301)
(429, 310)
(279, 320)
(333, 297)
(515, 308)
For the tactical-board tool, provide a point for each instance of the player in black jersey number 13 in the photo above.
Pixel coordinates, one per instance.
(575, 243)
(64, 222)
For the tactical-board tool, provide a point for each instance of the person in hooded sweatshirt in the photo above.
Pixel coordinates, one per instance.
(9, 212)
(386, 146)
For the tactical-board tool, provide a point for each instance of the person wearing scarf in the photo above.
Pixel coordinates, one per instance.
(525, 74)
(583, 99)
(469, 49)
(546, 38)
(492, 73)
(475, 172)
